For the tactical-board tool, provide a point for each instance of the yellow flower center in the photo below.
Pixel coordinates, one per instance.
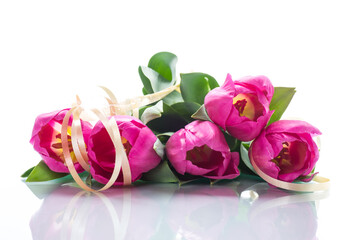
(291, 157)
(56, 147)
(245, 106)
(127, 145)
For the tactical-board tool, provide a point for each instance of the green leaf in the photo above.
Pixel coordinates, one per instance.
(165, 134)
(280, 101)
(232, 142)
(172, 98)
(42, 172)
(173, 117)
(152, 80)
(88, 180)
(245, 157)
(186, 109)
(144, 91)
(152, 112)
(201, 114)
(164, 63)
(146, 82)
(170, 121)
(187, 178)
(161, 173)
(142, 110)
(164, 137)
(160, 72)
(159, 148)
(27, 173)
(195, 86)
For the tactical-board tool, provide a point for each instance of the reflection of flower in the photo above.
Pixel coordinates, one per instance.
(241, 107)
(201, 212)
(275, 214)
(69, 213)
(285, 150)
(48, 222)
(192, 212)
(138, 141)
(46, 139)
(279, 218)
(201, 149)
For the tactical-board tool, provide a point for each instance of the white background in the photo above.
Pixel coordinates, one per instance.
(52, 50)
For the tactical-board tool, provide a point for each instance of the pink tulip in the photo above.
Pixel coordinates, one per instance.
(241, 107)
(46, 139)
(138, 141)
(200, 149)
(285, 150)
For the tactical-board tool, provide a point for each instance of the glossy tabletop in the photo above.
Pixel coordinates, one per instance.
(241, 209)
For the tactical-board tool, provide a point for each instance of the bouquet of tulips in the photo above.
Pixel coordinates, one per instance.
(180, 132)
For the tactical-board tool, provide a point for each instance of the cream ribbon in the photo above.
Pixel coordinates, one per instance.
(321, 185)
(121, 161)
(77, 140)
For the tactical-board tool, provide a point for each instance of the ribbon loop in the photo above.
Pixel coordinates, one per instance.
(114, 133)
(77, 138)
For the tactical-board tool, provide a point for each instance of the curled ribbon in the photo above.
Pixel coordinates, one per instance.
(77, 139)
(132, 105)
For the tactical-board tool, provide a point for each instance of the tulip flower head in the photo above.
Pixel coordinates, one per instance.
(241, 107)
(285, 150)
(200, 149)
(46, 139)
(138, 141)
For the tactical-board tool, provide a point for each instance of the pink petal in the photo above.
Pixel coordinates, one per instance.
(176, 150)
(219, 102)
(218, 162)
(245, 129)
(43, 136)
(260, 84)
(142, 157)
(292, 126)
(261, 152)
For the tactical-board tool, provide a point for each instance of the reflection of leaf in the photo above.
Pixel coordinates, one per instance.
(42, 189)
(162, 173)
(280, 101)
(42, 172)
(195, 86)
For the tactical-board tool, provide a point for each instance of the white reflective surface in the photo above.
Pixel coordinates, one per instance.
(245, 209)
